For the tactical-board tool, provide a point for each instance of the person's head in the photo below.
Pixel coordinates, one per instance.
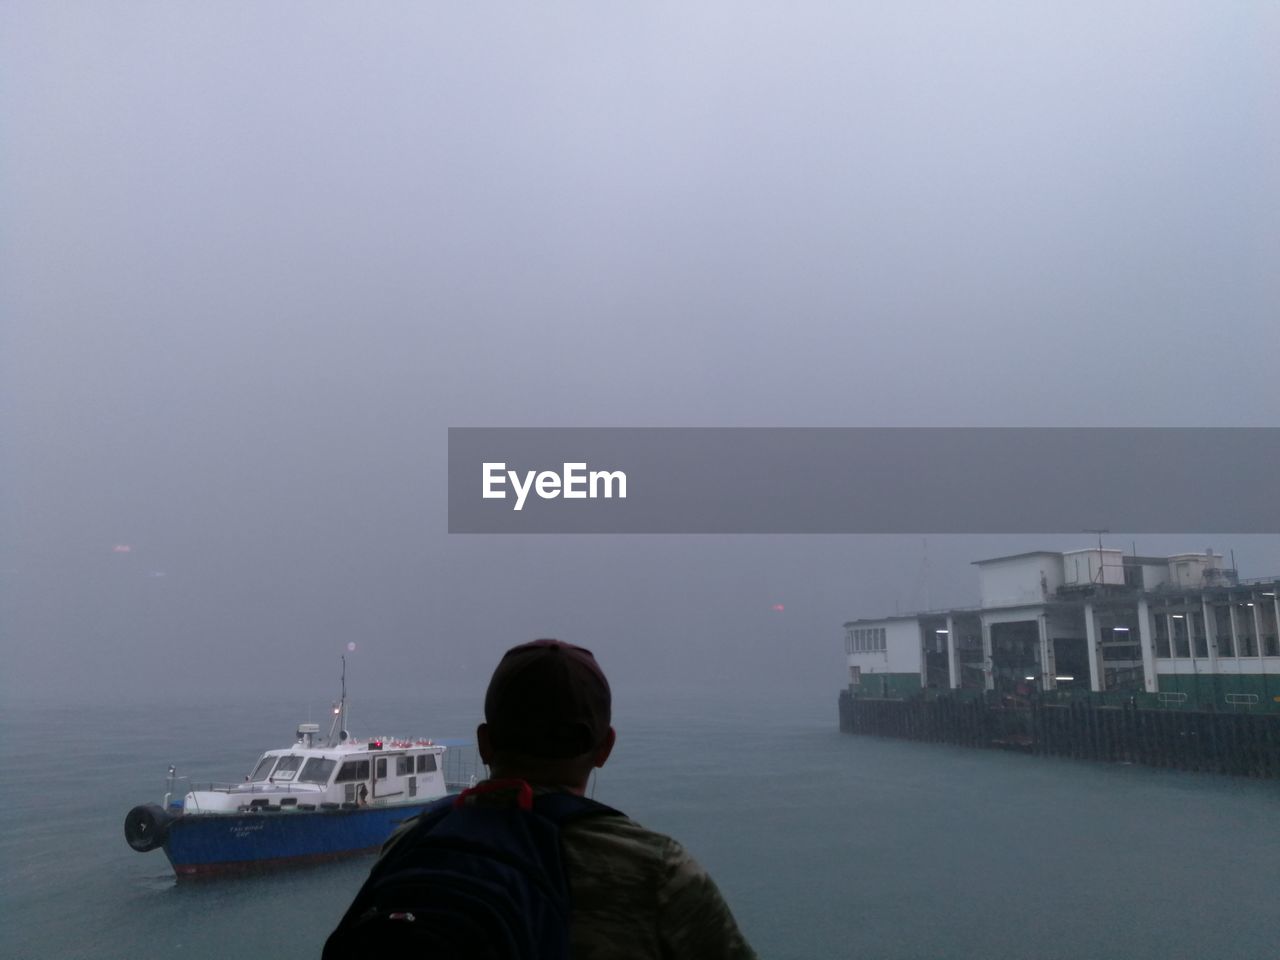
(547, 713)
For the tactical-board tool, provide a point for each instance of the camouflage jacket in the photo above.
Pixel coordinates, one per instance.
(638, 894)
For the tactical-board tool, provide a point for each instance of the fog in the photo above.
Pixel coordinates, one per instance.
(256, 259)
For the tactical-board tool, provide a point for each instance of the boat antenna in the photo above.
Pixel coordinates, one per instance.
(338, 729)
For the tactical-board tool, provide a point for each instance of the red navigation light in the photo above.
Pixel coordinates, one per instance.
(375, 744)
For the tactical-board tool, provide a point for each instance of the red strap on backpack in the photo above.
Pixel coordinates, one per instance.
(486, 793)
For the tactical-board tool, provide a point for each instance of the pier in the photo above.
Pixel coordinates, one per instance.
(1239, 744)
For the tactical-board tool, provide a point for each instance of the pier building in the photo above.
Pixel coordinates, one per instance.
(1180, 631)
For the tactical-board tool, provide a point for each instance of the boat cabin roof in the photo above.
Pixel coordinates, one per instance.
(350, 748)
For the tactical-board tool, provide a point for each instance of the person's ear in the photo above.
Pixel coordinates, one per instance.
(484, 744)
(606, 748)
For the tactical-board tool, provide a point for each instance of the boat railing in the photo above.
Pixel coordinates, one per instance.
(244, 786)
(463, 767)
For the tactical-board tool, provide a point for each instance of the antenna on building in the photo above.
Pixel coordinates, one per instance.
(922, 581)
(1097, 577)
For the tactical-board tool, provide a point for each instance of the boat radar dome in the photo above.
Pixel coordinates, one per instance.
(307, 733)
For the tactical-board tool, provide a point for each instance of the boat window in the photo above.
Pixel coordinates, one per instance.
(404, 766)
(317, 770)
(382, 767)
(263, 768)
(426, 763)
(353, 770)
(287, 767)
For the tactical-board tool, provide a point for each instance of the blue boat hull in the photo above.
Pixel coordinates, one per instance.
(208, 844)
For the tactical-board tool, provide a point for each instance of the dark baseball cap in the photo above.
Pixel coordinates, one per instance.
(548, 699)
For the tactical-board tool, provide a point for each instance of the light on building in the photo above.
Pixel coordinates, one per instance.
(1119, 629)
(1029, 678)
(1179, 616)
(1064, 678)
(942, 631)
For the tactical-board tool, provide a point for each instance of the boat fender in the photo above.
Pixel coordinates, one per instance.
(146, 825)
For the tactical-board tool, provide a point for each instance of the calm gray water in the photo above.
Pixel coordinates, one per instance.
(825, 845)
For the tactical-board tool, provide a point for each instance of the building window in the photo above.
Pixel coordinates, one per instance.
(1243, 615)
(867, 640)
(1222, 631)
(404, 766)
(1162, 636)
(1199, 638)
(1267, 622)
(1181, 642)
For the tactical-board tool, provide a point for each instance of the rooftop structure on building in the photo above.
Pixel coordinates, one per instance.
(1184, 627)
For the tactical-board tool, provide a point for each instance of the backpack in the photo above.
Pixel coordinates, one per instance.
(476, 877)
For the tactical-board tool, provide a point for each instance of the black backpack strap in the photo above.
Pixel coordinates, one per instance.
(422, 822)
(430, 815)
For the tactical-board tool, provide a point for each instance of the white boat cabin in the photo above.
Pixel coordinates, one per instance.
(353, 773)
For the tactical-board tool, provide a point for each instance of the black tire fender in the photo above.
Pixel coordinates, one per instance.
(146, 825)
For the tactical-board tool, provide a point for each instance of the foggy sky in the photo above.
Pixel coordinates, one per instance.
(256, 258)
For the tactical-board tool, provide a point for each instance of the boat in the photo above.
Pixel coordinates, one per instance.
(317, 799)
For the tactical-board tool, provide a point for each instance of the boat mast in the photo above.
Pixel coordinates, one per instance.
(338, 729)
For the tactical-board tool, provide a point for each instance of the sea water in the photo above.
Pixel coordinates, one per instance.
(824, 844)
